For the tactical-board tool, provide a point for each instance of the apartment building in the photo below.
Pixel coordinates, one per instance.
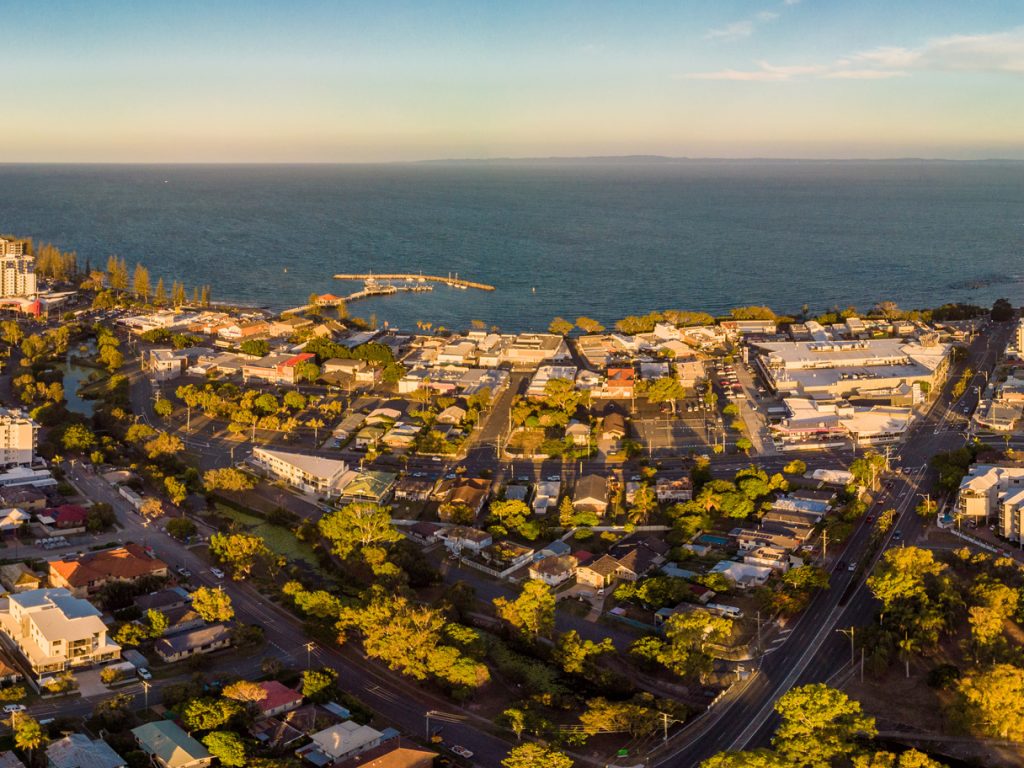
(13, 247)
(312, 474)
(56, 630)
(18, 437)
(989, 491)
(17, 276)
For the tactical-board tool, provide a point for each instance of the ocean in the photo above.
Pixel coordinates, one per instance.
(596, 238)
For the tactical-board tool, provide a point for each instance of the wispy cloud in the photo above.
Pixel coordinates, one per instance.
(995, 52)
(743, 28)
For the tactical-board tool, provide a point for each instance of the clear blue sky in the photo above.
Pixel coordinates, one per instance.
(226, 80)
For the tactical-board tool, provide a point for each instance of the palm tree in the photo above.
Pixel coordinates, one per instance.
(908, 645)
(316, 424)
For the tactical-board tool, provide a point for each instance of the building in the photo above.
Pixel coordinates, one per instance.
(370, 485)
(18, 436)
(392, 754)
(55, 630)
(673, 491)
(311, 474)
(532, 349)
(198, 641)
(413, 489)
(460, 538)
(10, 760)
(278, 700)
(599, 573)
(989, 491)
(342, 741)
(77, 750)
(66, 517)
(856, 367)
(167, 364)
(468, 492)
(276, 369)
(591, 494)
(17, 275)
(621, 382)
(18, 577)
(87, 574)
(743, 575)
(11, 247)
(13, 520)
(168, 746)
(546, 495)
(546, 373)
(554, 569)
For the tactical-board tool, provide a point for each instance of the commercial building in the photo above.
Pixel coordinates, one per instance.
(847, 368)
(312, 474)
(55, 630)
(17, 271)
(547, 373)
(18, 436)
(87, 574)
(276, 369)
(824, 424)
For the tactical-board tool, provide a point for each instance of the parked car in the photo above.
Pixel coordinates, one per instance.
(462, 752)
(10, 709)
(183, 571)
(144, 673)
(217, 572)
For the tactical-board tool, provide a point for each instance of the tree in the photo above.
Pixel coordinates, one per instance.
(867, 468)
(588, 325)
(358, 525)
(110, 357)
(759, 758)
(163, 407)
(645, 501)
(131, 634)
(240, 551)
(902, 575)
(1002, 311)
(160, 293)
(164, 444)
(207, 713)
(227, 479)
(909, 759)
(180, 528)
(687, 637)
(533, 612)
(515, 719)
(560, 327)
(991, 701)
(78, 438)
(28, 733)
(566, 512)
(666, 390)
(158, 622)
(633, 717)
(795, 467)
(744, 444)
(140, 282)
(244, 691)
(255, 347)
(11, 333)
(213, 604)
(176, 490)
(576, 656)
(536, 756)
(226, 747)
(151, 507)
(294, 400)
(318, 684)
(307, 371)
(818, 724)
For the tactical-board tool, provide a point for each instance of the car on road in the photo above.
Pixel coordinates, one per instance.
(869, 519)
(144, 673)
(217, 572)
(553, 478)
(851, 567)
(10, 709)
(462, 752)
(183, 571)
(897, 536)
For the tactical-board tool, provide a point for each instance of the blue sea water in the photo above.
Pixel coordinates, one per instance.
(602, 239)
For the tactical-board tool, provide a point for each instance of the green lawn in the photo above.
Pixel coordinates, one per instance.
(279, 539)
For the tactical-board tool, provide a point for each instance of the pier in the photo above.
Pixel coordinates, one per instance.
(450, 280)
(371, 288)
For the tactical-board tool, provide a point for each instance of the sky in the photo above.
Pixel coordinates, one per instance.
(319, 81)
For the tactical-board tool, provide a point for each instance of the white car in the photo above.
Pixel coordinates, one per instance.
(462, 752)
(144, 673)
(217, 572)
(10, 709)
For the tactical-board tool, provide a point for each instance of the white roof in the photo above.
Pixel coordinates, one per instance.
(315, 466)
(343, 738)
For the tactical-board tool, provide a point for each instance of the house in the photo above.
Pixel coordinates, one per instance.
(68, 516)
(468, 492)
(591, 494)
(743, 575)
(55, 630)
(578, 432)
(460, 537)
(240, 331)
(673, 491)
(546, 495)
(342, 741)
(401, 436)
(413, 489)
(359, 371)
(87, 574)
(311, 474)
(76, 750)
(368, 437)
(553, 569)
(279, 699)
(24, 497)
(13, 520)
(370, 485)
(168, 746)
(637, 557)
(193, 643)
(453, 414)
(163, 599)
(182, 619)
(392, 754)
(621, 382)
(10, 760)
(599, 573)
(9, 673)
(18, 577)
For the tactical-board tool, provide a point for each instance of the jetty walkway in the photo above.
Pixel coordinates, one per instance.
(450, 280)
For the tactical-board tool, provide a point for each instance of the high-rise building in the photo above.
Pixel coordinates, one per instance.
(17, 270)
(13, 247)
(17, 438)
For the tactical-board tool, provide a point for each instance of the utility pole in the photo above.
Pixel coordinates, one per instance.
(664, 722)
(145, 687)
(850, 633)
(824, 544)
(862, 664)
(758, 631)
(309, 651)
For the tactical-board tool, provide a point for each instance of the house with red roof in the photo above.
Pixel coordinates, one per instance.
(87, 574)
(67, 516)
(276, 369)
(279, 699)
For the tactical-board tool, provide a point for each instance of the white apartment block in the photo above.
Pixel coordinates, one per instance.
(18, 435)
(17, 277)
(12, 247)
(55, 630)
(311, 474)
(988, 491)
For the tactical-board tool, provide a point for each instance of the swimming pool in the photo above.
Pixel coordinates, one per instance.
(712, 541)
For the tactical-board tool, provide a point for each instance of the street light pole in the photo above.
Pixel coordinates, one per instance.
(145, 687)
(309, 649)
(850, 633)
